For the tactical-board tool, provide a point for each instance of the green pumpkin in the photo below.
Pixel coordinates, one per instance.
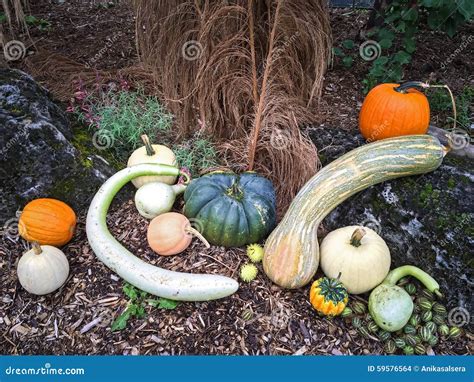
(230, 209)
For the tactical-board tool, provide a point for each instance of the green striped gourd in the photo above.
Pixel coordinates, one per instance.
(292, 251)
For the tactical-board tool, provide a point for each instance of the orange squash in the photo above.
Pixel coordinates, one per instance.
(392, 110)
(171, 233)
(47, 221)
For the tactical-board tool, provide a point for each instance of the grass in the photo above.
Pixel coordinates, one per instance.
(441, 102)
(196, 154)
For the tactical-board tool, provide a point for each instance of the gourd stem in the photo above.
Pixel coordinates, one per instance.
(409, 270)
(149, 148)
(179, 188)
(37, 248)
(196, 233)
(357, 236)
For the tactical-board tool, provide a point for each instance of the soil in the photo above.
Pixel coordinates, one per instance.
(260, 318)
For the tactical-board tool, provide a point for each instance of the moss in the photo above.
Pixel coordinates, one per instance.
(451, 183)
(82, 141)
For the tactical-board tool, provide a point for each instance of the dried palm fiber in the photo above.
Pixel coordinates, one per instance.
(253, 78)
(60, 74)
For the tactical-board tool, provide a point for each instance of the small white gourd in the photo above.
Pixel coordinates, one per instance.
(42, 269)
(153, 199)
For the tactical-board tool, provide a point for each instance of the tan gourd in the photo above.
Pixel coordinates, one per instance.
(152, 154)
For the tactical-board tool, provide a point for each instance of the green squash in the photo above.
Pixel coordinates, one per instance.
(230, 209)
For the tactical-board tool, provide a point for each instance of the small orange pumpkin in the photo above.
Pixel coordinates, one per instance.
(391, 110)
(47, 221)
(171, 233)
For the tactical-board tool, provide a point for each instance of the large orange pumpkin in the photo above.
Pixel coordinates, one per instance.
(47, 221)
(391, 110)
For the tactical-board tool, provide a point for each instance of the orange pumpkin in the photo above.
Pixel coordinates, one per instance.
(47, 221)
(391, 110)
(171, 233)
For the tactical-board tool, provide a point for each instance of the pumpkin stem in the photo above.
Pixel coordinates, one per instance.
(149, 148)
(196, 233)
(37, 248)
(402, 88)
(357, 236)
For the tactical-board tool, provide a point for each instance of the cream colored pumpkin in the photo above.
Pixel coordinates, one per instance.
(359, 254)
(42, 269)
(152, 154)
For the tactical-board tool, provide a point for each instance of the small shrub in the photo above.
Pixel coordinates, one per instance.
(196, 154)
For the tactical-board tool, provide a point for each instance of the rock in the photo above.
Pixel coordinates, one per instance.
(426, 220)
(37, 155)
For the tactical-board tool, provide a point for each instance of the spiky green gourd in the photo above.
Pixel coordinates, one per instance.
(248, 272)
(255, 253)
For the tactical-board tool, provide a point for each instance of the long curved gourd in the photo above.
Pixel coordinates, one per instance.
(151, 279)
(292, 251)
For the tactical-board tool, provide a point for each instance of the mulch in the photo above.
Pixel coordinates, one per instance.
(260, 318)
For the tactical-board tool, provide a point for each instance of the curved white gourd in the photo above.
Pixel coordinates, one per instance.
(147, 277)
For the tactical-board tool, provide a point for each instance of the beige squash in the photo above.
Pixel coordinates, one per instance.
(359, 254)
(42, 269)
(152, 154)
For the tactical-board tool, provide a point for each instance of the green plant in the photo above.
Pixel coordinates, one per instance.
(440, 101)
(41, 24)
(152, 279)
(137, 301)
(292, 250)
(196, 154)
(397, 36)
(123, 116)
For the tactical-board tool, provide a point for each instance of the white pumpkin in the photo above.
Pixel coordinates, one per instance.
(153, 199)
(42, 269)
(152, 154)
(359, 254)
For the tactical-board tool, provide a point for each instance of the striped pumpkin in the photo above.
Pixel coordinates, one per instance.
(328, 296)
(292, 251)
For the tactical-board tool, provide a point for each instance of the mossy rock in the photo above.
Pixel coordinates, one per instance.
(39, 155)
(426, 220)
